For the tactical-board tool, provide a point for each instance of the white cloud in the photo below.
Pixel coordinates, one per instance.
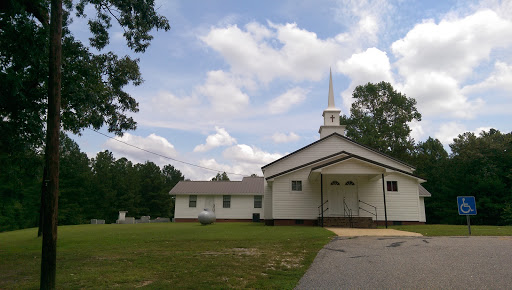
(500, 79)
(434, 59)
(223, 91)
(243, 153)
(283, 103)
(153, 143)
(166, 103)
(274, 51)
(212, 163)
(364, 17)
(449, 131)
(283, 138)
(238, 168)
(479, 130)
(417, 131)
(258, 31)
(371, 65)
(439, 94)
(454, 46)
(221, 138)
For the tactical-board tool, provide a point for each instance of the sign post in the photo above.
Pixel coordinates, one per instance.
(467, 207)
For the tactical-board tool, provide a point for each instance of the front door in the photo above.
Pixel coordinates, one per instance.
(209, 203)
(350, 195)
(335, 197)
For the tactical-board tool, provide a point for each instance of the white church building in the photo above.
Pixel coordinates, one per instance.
(334, 181)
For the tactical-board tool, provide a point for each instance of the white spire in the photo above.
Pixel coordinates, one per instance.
(331, 93)
(331, 115)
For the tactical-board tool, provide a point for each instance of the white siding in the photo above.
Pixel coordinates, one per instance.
(289, 204)
(327, 147)
(403, 205)
(423, 217)
(267, 201)
(352, 167)
(242, 207)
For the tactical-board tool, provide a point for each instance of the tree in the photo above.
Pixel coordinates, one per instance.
(379, 118)
(104, 184)
(138, 18)
(172, 176)
(432, 164)
(482, 165)
(221, 177)
(75, 178)
(478, 166)
(156, 200)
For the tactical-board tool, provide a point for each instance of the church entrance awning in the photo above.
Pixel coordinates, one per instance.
(355, 165)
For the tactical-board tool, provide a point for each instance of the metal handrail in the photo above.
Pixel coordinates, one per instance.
(323, 203)
(367, 211)
(319, 210)
(374, 207)
(368, 204)
(345, 210)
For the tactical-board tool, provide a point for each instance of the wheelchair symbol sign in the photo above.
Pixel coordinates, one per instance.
(466, 205)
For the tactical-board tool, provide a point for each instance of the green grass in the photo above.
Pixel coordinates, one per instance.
(456, 230)
(166, 255)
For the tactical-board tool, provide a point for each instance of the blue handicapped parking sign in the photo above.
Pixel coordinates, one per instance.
(466, 205)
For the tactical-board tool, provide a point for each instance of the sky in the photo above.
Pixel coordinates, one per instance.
(235, 85)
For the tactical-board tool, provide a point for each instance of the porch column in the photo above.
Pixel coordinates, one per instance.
(322, 199)
(385, 208)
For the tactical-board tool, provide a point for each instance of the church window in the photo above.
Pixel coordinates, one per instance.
(226, 201)
(296, 185)
(392, 185)
(192, 200)
(350, 182)
(258, 200)
(335, 183)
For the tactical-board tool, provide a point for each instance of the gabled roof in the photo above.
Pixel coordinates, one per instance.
(345, 138)
(423, 191)
(248, 186)
(306, 164)
(349, 156)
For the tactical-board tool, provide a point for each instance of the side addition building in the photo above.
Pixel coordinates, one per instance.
(230, 200)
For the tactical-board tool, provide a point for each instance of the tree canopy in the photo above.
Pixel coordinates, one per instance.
(379, 118)
(90, 188)
(221, 177)
(93, 85)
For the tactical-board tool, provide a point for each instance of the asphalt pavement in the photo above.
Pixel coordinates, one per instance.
(412, 263)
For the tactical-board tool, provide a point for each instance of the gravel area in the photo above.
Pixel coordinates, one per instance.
(412, 263)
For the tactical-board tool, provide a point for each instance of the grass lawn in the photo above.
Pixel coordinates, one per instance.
(165, 255)
(456, 230)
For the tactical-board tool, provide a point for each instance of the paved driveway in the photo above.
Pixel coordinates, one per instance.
(412, 262)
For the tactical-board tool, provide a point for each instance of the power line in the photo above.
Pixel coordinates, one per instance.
(163, 156)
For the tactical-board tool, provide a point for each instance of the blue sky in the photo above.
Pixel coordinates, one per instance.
(235, 85)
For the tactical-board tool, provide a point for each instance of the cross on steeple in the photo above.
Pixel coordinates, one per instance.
(331, 115)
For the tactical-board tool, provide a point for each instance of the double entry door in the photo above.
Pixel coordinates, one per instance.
(340, 190)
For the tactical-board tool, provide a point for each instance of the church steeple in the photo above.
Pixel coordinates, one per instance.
(331, 115)
(331, 93)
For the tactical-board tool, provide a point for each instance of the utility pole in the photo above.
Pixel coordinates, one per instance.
(49, 251)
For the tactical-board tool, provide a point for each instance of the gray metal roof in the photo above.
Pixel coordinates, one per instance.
(248, 186)
(423, 191)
